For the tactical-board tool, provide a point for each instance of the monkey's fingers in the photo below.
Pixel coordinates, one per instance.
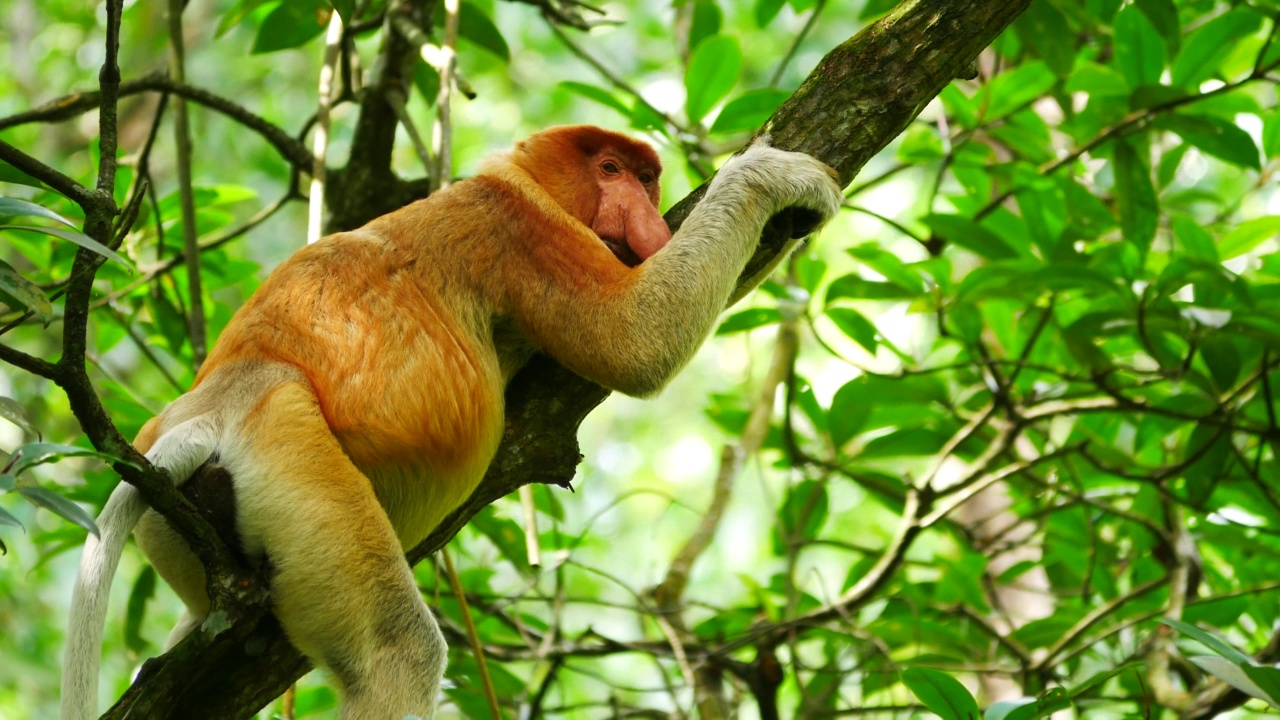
(796, 222)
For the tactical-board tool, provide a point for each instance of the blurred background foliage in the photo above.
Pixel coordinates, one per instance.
(1012, 408)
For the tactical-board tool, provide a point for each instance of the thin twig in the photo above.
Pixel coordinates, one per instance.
(476, 647)
(76, 104)
(320, 142)
(182, 138)
(395, 98)
(442, 135)
(616, 80)
(795, 44)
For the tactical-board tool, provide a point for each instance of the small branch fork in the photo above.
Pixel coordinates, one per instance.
(226, 583)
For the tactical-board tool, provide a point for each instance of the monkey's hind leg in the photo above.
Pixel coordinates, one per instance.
(342, 589)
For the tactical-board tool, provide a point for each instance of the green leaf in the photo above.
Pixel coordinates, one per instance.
(889, 266)
(809, 269)
(1074, 277)
(856, 326)
(1215, 137)
(73, 236)
(1003, 710)
(346, 9)
(748, 111)
(58, 505)
(1098, 81)
(966, 320)
(597, 94)
(1222, 358)
(959, 106)
(11, 174)
(1194, 240)
(13, 206)
(1212, 449)
(144, 588)
(712, 73)
(1210, 44)
(1139, 51)
(1212, 642)
(1248, 235)
(1012, 90)
(1169, 162)
(970, 235)
(1222, 612)
(237, 15)
(505, 534)
(909, 442)
(39, 453)
(13, 412)
(1238, 676)
(707, 19)
(290, 24)
(475, 25)
(1082, 338)
(1136, 197)
(1163, 16)
(748, 319)
(1266, 679)
(941, 693)
(1040, 28)
(850, 410)
(1045, 215)
(856, 288)
(920, 144)
(1002, 278)
(767, 10)
(1047, 704)
(1271, 135)
(876, 8)
(804, 511)
(22, 294)
(8, 519)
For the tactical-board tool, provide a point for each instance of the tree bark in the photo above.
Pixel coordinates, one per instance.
(855, 102)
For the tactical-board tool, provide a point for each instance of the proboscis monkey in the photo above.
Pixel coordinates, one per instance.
(358, 395)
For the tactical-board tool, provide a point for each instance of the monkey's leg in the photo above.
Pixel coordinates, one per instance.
(342, 589)
(179, 567)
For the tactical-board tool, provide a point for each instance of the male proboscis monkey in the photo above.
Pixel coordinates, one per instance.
(358, 395)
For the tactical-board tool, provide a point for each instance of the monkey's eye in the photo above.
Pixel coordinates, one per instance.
(610, 167)
(646, 178)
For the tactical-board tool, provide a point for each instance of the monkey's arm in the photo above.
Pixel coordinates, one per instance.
(632, 329)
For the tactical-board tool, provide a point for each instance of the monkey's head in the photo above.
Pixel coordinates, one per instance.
(606, 180)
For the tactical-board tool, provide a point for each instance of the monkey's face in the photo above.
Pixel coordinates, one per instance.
(627, 218)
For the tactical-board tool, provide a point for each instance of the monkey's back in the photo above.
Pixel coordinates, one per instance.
(413, 394)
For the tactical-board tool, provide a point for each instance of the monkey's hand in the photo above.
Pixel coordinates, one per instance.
(803, 190)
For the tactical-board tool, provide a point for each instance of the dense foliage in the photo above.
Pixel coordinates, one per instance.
(1011, 410)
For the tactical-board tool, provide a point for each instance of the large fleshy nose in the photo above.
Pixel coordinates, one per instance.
(647, 232)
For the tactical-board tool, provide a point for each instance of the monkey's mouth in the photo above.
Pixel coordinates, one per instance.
(622, 251)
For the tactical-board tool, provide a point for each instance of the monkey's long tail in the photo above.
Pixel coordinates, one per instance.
(89, 601)
(180, 451)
